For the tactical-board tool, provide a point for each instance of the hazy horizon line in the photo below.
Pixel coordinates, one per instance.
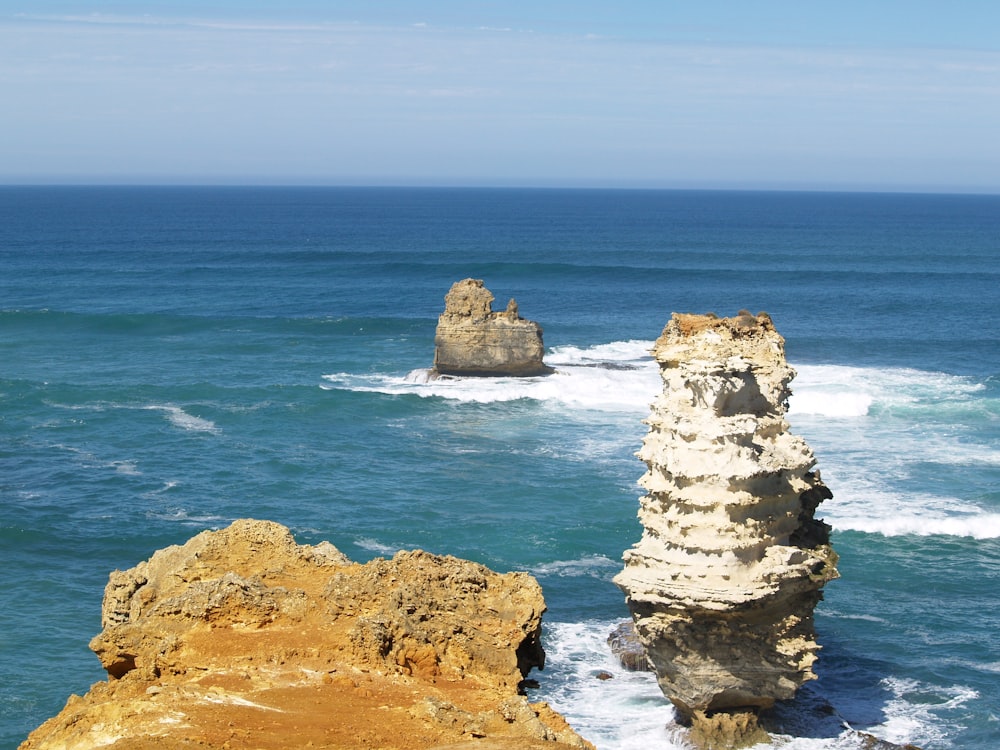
(623, 186)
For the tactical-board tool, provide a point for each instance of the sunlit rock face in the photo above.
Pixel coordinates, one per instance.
(731, 563)
(242, 638)
(471, 339)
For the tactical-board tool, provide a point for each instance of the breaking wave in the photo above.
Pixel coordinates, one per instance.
(876, 432)
(972, 525)
(619, 377)
(618, 709)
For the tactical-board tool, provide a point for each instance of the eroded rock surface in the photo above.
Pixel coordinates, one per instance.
(471, 339)
(723, 583)
(628, 649)
(243, 638)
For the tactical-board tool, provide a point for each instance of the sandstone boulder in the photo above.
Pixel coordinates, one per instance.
(471, 339)
(723, 583)
(243, 638)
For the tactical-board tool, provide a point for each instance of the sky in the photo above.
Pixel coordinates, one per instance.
(742, 94)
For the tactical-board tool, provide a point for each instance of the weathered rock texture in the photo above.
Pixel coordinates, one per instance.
(471, 339)
(243, 638)
(723, 583)
(628, 649)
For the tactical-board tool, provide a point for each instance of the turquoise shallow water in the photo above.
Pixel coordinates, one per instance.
(175, 358)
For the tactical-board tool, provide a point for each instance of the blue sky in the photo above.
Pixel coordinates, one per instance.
(875, 95)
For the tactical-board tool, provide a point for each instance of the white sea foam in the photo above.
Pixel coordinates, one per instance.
(912, 713)
(635, 352)
(180, 418)
(841, 616)
(180, 515)
(619, 377)
(174, 414)
(373, 545)
(167, 486)
(74, 407)
(977, 526)
(877, 433)
(832, 391)
(88, 460)
(622, 376)
(85, 457)
(841, 391)
(627, 712)
(596, 566)
(867, 498)
(128, 468)
(830, 402)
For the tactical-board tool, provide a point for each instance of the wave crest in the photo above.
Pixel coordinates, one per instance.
(878, 432)
(620, 377)
(180, 418)
(976, 526)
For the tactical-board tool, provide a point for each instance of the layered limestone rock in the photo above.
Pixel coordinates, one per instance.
(723, 583)
(243, 638)
(471, 339)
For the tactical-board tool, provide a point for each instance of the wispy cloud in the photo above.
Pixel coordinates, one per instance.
(111, 19)
(482, 98)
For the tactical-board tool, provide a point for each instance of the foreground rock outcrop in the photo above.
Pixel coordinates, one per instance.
(723, 583)
(471, 339)
(243, 638)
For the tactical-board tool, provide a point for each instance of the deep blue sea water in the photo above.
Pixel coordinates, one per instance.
(174, 358)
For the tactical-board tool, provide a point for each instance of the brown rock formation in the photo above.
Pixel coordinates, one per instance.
(723, 583)
(471, 339)
(243, 638)
(628, 649)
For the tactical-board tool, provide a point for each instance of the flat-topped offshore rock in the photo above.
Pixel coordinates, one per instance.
(471, 339)
(723, 583)
(242, 638)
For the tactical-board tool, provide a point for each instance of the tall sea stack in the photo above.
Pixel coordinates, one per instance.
(731, 563)
(471, 339)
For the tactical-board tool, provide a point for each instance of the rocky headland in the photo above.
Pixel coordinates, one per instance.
(243, 638)
(731, 563)
(471, 339)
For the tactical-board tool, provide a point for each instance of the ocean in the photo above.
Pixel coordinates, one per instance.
(174, 358)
